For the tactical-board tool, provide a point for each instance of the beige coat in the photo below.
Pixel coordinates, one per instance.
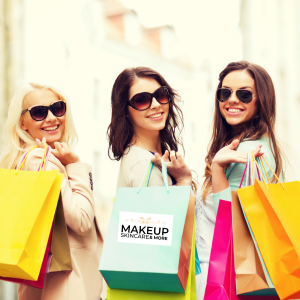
(133, 166)
(85, 239)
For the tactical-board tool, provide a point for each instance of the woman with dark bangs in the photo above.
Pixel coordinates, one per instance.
(244, 120)
(146, 124)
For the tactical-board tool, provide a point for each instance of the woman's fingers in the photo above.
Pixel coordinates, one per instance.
(165, 157)
(234, 144)
(179, 158)
(41, 143)
(258, 152)
(55, 152)
(173, 157)
(59, 148)
(241, 160)
(156, 159)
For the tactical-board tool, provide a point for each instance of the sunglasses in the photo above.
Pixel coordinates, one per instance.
(40, 112)
(244, 96)
(143, 101)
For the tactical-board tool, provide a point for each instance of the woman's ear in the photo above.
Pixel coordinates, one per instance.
(23, 127)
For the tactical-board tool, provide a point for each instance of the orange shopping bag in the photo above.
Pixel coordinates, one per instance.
(272, 211)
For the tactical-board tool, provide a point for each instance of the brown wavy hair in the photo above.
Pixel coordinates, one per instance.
(120, 131)
(262, 123)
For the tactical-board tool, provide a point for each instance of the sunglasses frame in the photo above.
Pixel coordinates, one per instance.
(253, 95)
(131, 103)
(48, 107)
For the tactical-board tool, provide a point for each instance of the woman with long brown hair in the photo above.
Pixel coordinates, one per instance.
(146, 119)
(244, 120)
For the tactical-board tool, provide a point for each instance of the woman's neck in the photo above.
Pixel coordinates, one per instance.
(148, 139)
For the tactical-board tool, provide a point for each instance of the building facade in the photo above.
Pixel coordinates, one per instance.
(271, 38)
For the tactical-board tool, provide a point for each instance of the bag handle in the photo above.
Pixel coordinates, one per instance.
(146, 177)
(262, 158)
(250, 174)
(43, 164)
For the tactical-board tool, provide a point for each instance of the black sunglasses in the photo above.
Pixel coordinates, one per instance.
(244, 96)
(143, 101)
(40, 112)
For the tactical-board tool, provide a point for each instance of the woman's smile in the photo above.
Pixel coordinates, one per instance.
(234, 111)
(156, 116)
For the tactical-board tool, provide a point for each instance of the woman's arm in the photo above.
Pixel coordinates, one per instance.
(225, 156)
(76, 190)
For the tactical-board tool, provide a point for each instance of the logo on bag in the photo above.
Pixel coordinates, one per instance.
(144, 228)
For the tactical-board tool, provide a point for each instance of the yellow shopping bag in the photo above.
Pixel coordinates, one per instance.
(272, 211)
(190, 294)
(28, 202)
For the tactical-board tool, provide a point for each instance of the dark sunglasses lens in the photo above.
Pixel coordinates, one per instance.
(58, 108)
(162, 95)
(244, 96)
(141, 101)
(39, 113)
(223, 94)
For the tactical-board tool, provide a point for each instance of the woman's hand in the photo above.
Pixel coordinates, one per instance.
(222, 159)
(228, 155)
(61, 152)
(176, 167)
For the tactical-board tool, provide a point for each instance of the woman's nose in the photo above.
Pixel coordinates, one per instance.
(233, 97)
(155, 103)
(50, 116)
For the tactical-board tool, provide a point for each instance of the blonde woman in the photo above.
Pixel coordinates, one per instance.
(38, 114)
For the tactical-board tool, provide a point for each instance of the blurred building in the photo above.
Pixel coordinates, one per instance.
(81, 47)
(11, 74)
(271, 38)
(11, 52)
(84, 56)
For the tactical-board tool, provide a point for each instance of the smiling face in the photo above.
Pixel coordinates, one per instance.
(154, 118)
(233, 110)
(51, 127)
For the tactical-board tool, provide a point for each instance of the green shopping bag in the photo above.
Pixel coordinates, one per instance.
(190, 294)
(148, 243)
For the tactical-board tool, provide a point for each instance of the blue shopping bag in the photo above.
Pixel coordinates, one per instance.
(149, 239)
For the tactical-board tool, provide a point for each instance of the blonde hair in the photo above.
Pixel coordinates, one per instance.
(16, 139)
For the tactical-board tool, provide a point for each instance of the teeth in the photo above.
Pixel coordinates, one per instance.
(155, 116)
(50, 128)
(234, 110)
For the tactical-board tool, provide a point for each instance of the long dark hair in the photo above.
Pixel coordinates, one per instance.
(120, 130)
(263, 122)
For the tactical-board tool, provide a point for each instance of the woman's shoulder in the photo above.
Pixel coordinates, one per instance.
(133, 155)
(249, 145)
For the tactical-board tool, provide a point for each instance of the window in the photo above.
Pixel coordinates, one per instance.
(132, 29)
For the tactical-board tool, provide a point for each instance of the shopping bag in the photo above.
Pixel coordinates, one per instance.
(219, 278)
(272, 212)
(190, 294)
(39, 283)
(148, 243)
(252, 277)
(60, 257)
(27, 208)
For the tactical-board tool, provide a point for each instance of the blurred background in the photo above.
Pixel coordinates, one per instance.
(80, 46)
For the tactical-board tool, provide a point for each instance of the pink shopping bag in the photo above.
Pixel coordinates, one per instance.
(221, 283)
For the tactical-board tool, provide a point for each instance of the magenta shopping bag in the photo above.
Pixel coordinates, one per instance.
(219, 279)
(221, 283)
